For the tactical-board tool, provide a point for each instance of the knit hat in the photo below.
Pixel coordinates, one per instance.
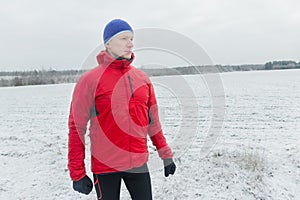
(114, 28)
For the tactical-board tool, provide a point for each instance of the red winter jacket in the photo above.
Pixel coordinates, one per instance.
(120, 104)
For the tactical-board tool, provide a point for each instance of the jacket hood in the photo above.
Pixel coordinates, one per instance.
(104, 58)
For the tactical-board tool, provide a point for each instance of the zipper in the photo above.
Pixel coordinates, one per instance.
(130, 84)
(131, 90)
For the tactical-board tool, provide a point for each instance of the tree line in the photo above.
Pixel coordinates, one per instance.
(282, 65)
(40, 77)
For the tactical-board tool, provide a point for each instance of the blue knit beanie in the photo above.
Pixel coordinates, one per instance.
(114, 28)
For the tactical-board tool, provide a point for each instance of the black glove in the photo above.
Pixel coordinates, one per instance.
(170, 167)
(84, 185)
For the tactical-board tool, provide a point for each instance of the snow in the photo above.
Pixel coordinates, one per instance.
(254, 156)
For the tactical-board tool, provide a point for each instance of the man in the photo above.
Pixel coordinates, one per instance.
(119, 102)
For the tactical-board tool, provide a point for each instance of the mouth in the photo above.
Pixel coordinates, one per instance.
(128, 51)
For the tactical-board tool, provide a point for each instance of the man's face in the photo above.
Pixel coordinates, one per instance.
(121, 45)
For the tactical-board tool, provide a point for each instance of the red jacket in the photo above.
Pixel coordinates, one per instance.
(120, 103)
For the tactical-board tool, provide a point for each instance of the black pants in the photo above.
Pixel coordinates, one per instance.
(137, 182)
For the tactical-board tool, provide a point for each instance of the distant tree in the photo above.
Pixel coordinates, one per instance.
(17, 81)
(269, 65)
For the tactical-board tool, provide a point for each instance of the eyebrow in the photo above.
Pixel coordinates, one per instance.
(126, 36)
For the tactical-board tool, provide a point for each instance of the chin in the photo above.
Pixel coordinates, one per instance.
(127, 56)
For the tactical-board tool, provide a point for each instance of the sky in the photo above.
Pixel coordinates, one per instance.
(61, 34)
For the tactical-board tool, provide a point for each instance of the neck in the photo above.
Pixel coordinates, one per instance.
(111, 54)
(116, 56)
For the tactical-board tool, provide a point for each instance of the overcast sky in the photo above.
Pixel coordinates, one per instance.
(38, 34)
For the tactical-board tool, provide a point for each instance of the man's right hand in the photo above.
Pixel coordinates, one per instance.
(84, 185)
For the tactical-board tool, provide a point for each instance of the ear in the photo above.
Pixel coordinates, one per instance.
(107, 45)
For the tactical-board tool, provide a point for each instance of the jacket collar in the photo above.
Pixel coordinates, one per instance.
(104, 58)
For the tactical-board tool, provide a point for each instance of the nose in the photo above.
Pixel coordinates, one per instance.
(130, 43)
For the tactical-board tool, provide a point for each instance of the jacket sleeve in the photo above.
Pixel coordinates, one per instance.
(155, 130)
(81, 104)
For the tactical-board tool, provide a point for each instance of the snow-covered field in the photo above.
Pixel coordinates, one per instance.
(255, 156)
